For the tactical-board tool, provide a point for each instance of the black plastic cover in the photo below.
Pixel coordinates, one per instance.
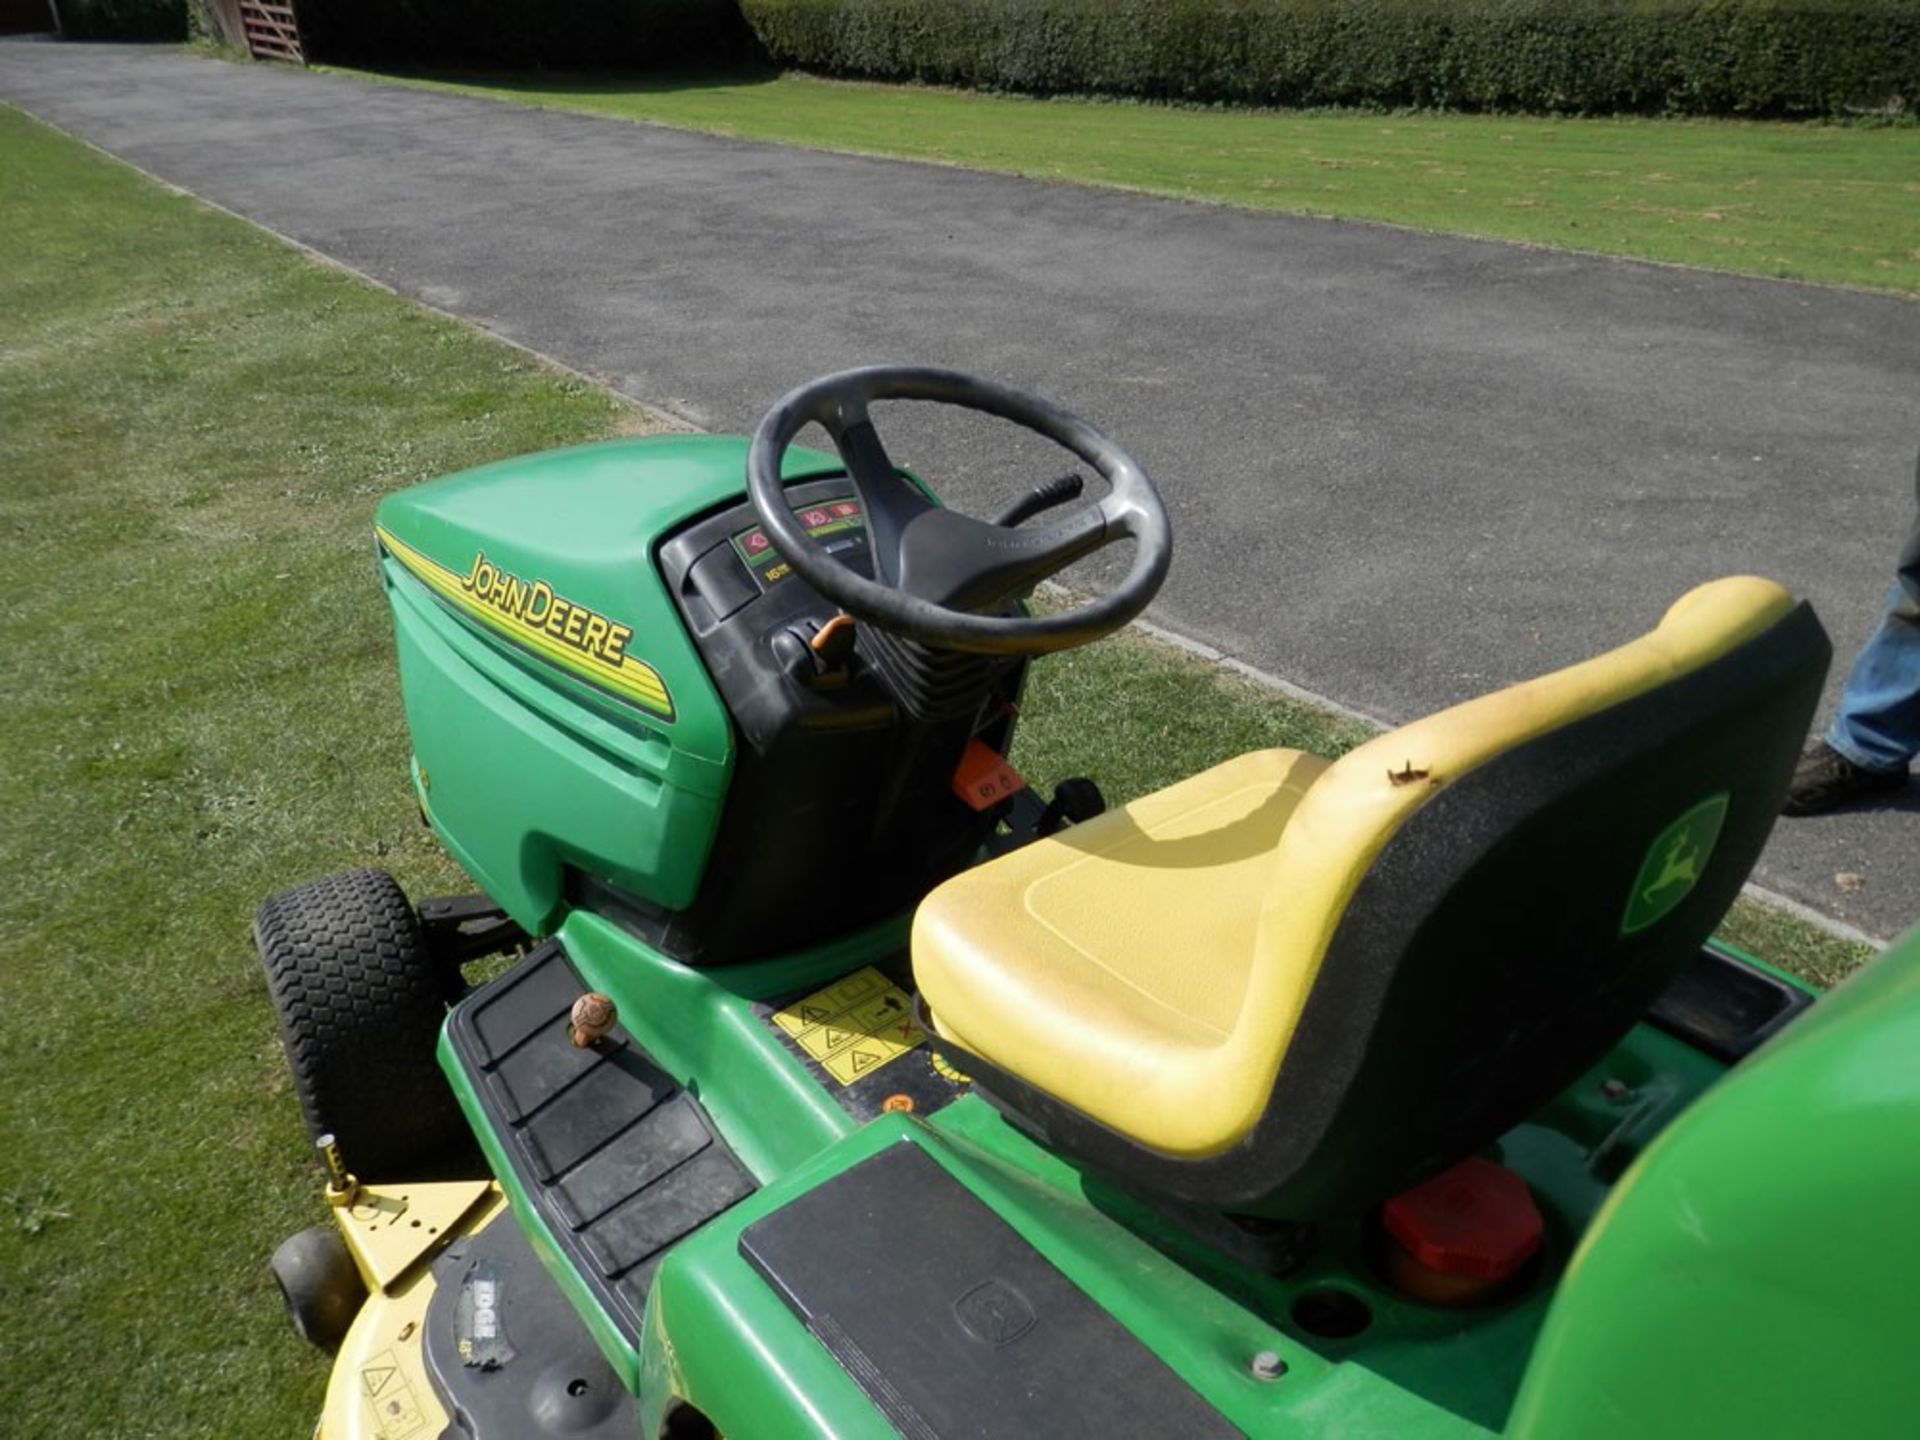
(507, 1356)
(951, 1323)
(840, 810)
(1726, 1007)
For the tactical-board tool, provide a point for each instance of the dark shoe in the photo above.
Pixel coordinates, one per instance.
(1825, 779)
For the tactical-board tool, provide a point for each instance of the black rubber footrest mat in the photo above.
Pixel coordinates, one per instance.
(954, 1325)
(618, 1158)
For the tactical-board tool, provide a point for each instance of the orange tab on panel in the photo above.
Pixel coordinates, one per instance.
(984, 778)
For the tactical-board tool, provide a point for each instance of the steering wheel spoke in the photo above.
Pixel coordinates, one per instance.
(937, 570)
(891, 501)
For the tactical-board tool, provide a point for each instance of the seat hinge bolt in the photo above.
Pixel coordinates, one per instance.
(1267, 1365)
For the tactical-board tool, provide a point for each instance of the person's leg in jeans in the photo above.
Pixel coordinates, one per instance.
(1875, 734)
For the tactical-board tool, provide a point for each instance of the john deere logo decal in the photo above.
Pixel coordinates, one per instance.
(533, 604)
(1675, 862)
(529, 614)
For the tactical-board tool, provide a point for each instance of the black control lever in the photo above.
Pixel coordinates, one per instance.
(1044, 496)
(817, 655)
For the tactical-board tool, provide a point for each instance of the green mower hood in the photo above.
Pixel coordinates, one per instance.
(560, 715)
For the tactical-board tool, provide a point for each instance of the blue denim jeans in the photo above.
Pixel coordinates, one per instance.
(1878, 724)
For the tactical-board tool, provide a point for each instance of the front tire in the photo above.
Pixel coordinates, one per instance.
(320, 1285)
(360, 1001)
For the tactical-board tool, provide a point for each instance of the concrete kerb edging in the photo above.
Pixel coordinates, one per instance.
(671, 421)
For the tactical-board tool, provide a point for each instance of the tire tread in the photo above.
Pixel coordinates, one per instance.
(360, 1003)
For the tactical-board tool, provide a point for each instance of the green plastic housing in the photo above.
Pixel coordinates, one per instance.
(1749, 1274)
(1753, 1274)
(560, 717)
(1727, 1253)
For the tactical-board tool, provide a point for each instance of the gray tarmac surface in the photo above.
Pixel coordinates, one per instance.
(1403, 469)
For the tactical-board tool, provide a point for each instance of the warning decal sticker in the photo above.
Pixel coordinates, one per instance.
(395, 1412)
(854, 1026)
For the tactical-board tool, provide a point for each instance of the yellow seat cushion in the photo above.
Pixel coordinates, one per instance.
(1114, 956)
(1149, 967)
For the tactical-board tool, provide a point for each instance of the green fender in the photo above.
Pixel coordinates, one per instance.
(1755, 1272)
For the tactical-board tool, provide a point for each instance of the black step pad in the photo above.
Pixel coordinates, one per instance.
(619, 1160)
(660, 1140)
(953, 1324)
(573, 1124)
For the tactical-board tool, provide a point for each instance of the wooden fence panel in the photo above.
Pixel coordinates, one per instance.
(272, 31)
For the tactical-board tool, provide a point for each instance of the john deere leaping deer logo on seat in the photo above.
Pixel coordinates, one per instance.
(1679, 866)
(1674, 864)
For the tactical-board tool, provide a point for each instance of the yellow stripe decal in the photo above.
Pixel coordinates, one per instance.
(532, 616)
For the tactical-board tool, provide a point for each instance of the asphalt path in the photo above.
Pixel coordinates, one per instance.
(1403, 469)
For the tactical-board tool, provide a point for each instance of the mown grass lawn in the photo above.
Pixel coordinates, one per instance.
(195, 425)
(1838, 204)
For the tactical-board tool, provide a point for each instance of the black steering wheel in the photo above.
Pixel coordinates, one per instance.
(935, 569)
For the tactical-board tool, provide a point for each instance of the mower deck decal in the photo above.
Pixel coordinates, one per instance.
(389, 1399)
(854, 1026)
(529, 614)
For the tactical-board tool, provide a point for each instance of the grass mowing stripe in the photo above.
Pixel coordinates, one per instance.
(1837, 204)
(198, 422)
(201, 709)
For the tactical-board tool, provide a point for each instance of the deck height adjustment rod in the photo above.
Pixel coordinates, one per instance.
(342, 1188)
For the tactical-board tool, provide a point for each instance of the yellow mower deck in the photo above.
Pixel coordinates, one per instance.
(379, 1388)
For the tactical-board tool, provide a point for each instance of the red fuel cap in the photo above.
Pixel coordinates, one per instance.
(1475, 1222)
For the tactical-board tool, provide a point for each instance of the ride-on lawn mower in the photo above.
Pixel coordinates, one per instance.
(828, 1081)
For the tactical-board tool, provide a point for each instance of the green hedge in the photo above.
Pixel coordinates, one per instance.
(1727, 57)
(524, 34)
(123, 19)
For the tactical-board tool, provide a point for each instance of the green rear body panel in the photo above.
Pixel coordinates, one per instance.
(1755, 1272)
(716, 1334)
(559, 715)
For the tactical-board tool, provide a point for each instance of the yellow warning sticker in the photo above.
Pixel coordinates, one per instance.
(854, 1026)
(856, 1061)
(396, 1414)
(827, 1003)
